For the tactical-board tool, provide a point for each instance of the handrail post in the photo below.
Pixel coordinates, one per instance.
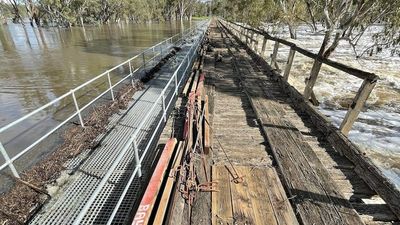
(251, 45)
(109, 82)
(257, 44)
(289, 63)
(77, 108)
(130, 67)
(263, 47)
(137, 159)
(247, 37)
(312, 79)
(176, 83)
(131, 73)
(163, 107)
(358, 102)
(274, 54)
(8, 161)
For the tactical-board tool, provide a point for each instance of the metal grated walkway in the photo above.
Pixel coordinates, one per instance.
(65, 206)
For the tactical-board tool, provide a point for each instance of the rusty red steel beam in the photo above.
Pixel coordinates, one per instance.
(146, 206)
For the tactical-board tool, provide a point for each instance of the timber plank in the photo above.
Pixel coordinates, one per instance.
(221, 203)
(242, 205)
(166, 194)
(283, 210)
(207, 143)
(262, 205)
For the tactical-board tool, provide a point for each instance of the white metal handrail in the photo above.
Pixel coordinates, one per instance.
(167, 42)
(132, 142)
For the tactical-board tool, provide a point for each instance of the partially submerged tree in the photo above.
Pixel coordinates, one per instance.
(348, 20)
(291, 13)
(17, 18)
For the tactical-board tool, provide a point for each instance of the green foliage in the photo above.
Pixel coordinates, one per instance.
(79, 12)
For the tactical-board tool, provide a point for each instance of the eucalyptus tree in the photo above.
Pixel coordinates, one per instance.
(349, 19)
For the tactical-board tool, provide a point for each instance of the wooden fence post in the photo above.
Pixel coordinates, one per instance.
(263, 47)
(311, 80)
(247, 37)
(274, 54)
(251, 40)
(358, 103)
(257, 44)
(289, 64)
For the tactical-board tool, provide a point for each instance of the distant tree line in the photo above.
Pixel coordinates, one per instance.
(341, 20)
(80, 12)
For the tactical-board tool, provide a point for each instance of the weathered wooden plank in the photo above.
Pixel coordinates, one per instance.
(280, 202)
(312, 79)
(355, 108)
(263, 47)
(222, 211)
(258, 193)
(188, 83)
(289, 64)
(207, 143)
(242, 205)
(166, 194)
(195, 81)
(274, 54)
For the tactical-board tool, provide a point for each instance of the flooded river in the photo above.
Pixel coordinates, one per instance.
(39, 64)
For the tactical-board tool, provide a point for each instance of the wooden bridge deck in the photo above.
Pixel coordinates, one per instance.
(273, 161)
(237, 137)
(256, 126)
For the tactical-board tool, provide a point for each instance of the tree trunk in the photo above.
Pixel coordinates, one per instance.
(17, 16)
(292, 31)
(81, 19)
(29, 10)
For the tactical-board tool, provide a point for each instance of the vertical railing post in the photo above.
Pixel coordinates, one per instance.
(355, 108)
(110, 84)
(251, 45)
(308, 91)
(130, 67)
(163, 107)
(176, 83)
(77, 108)
(263, 47)
(131, 73)
(289, 63)
(257, 44)
(8, 161)
(274, 55)
(137, 159)
(247, 37)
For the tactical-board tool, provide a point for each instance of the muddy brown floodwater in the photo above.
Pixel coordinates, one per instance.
(39, 64)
